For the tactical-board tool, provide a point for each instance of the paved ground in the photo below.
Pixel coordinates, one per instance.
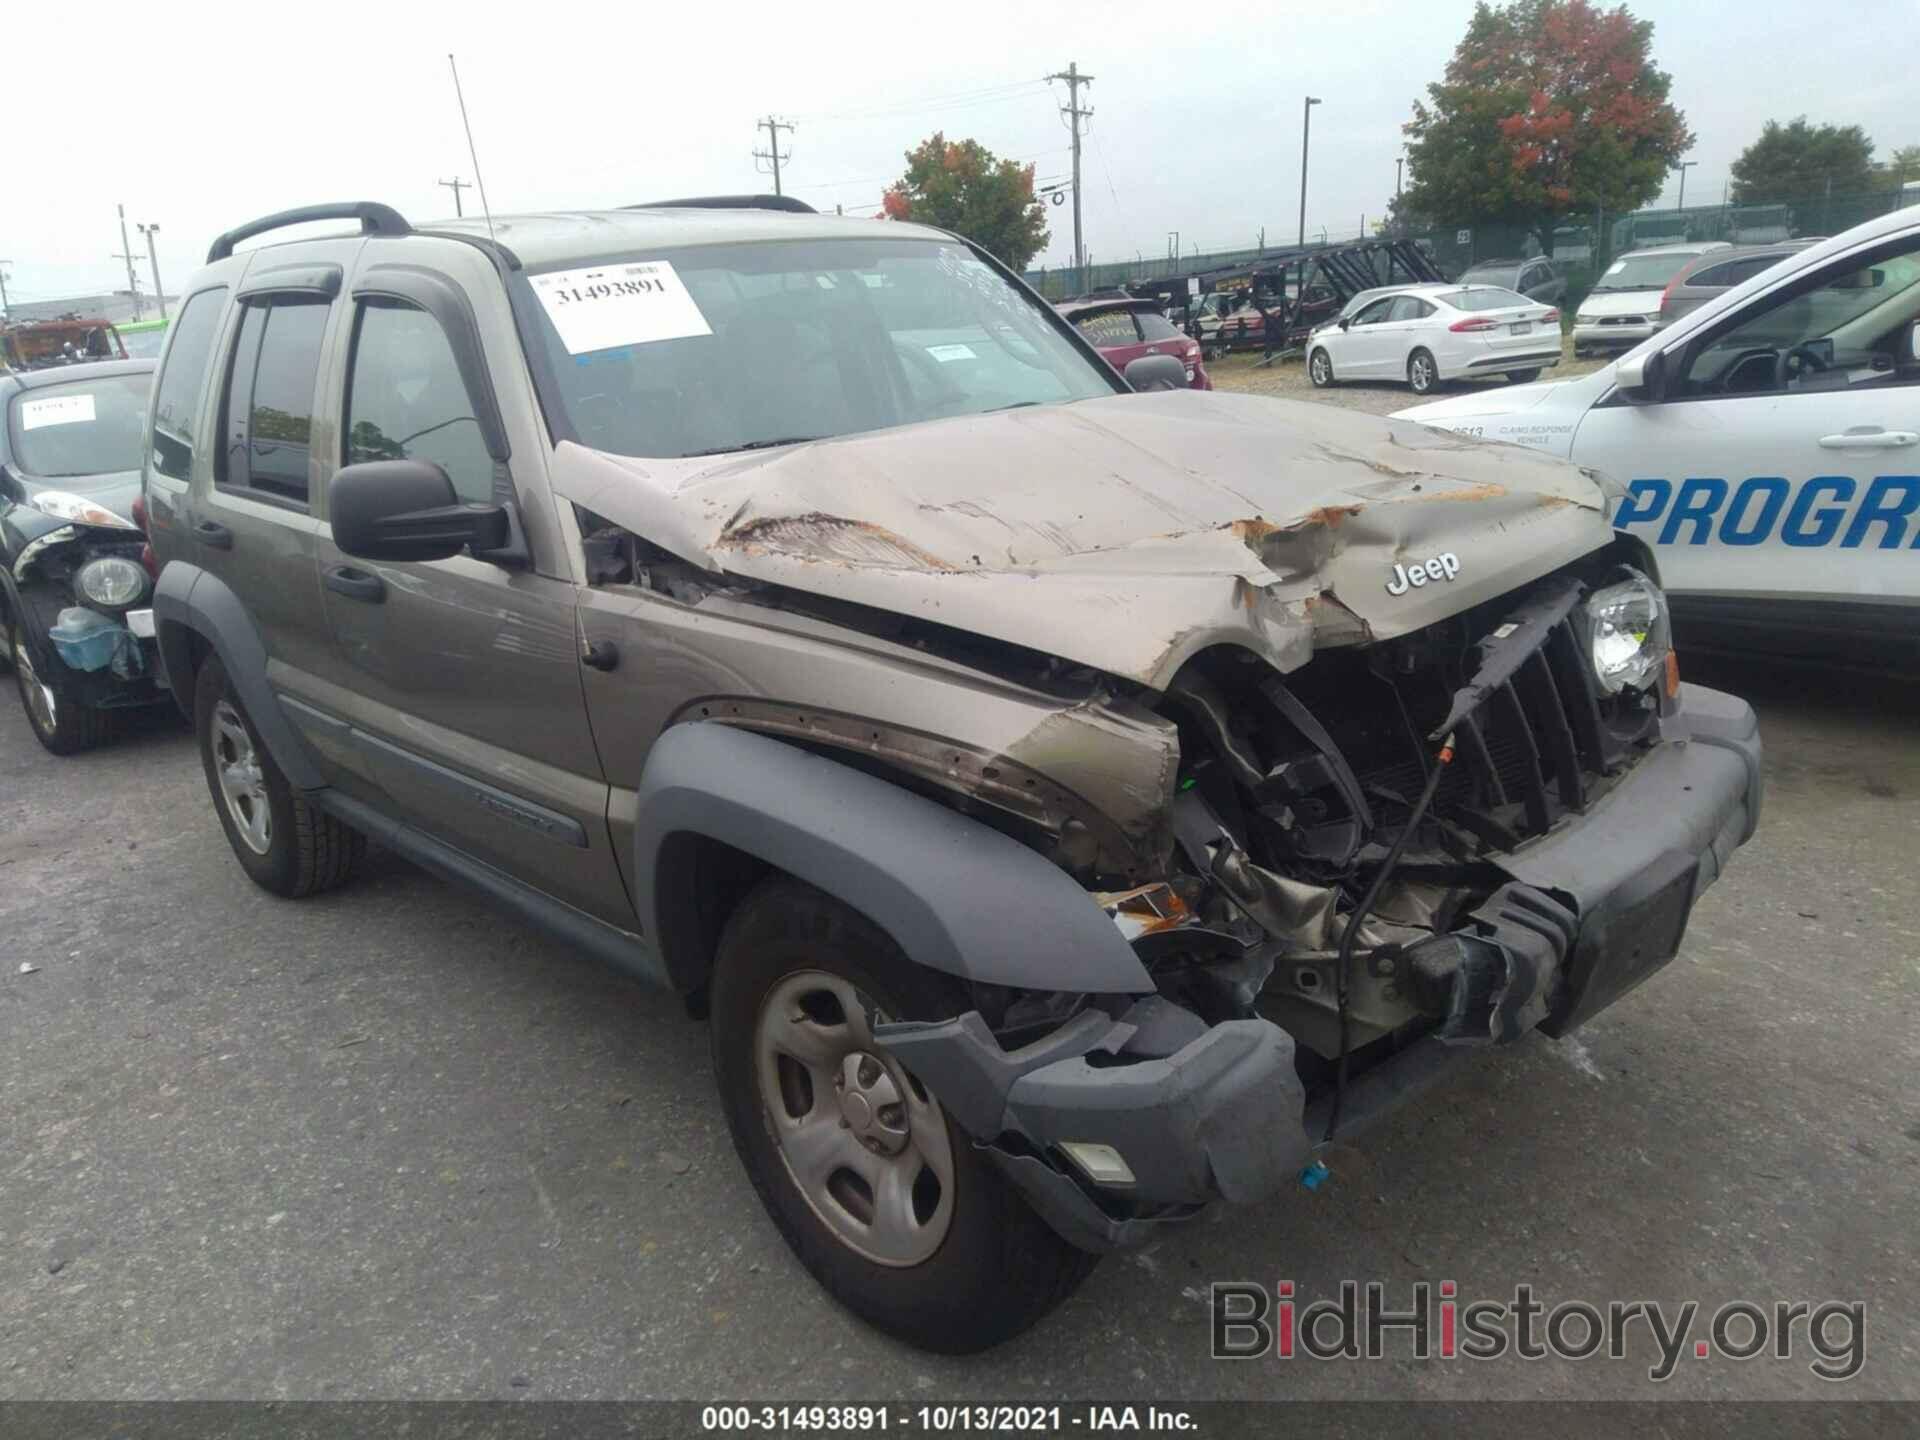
(389, 1143)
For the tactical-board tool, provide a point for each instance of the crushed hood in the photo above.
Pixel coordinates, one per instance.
(1124, 533)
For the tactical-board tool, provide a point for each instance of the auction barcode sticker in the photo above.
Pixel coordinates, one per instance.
(615, 305)
(56, 410)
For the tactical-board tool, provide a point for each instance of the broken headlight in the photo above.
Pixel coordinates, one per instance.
(79, 510)
(1628, 633)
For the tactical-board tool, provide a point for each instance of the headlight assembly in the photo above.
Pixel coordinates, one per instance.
(111, 582)
(80, 510)
(1628, 633)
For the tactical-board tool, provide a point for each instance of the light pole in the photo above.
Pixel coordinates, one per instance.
(1399, 161)
(1683, 167)
(3, 290)
(153, 259)
(1306, 128)
(126, 254)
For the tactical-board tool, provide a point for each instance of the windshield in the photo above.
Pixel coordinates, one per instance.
(89, 427)
(1491, 275)
(708, 349)
(1486, 298)
(1645, 272)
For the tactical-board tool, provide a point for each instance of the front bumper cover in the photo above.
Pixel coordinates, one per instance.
(1201, 1113)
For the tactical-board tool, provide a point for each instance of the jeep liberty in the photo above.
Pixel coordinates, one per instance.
(1067, 806)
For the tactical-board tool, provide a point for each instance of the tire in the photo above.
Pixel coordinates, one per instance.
(1320, 370)
(1423, 376)
(1580, 352)
(61, 726)
(1523, 377)
(284, 843)
(977, 1266)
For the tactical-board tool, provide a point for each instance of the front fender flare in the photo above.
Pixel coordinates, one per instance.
(189, 601)
(955, 895)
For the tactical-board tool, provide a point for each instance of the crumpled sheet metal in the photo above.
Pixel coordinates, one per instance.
(1125, 533)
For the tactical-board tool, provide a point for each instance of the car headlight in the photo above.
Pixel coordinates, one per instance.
(1628, 633)
(111, 582)
(79, 510)
(1584, 319)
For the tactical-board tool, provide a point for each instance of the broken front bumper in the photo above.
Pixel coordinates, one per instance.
(1196, 1113)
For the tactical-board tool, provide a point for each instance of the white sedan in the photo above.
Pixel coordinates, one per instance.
(1424, 334)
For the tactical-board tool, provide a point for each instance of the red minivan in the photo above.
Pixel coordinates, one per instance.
(1123, 330)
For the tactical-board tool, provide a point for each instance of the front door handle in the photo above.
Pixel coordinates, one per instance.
(1864, 438)
(213, 534)
(355, 584)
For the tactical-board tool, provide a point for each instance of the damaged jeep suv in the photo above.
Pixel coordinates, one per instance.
(1067, 805)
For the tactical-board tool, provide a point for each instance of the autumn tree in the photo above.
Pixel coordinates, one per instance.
(1796, 159)
(1548, 108)
(962, 186)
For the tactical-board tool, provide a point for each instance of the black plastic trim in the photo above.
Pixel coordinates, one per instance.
(320, 280)
(730, 202)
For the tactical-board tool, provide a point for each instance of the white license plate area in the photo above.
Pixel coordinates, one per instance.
(1520, 327)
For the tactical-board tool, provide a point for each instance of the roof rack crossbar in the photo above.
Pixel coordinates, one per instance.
(375, 219)
(730, 202)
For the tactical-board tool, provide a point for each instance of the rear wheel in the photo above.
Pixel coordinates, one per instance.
(1422, 374)
(63, 726)
(1320, 370)
(283, 842)
(881, 1196)
(1523, 377)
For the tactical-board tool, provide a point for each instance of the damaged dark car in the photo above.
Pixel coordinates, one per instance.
(1067, 806)
(76, 623)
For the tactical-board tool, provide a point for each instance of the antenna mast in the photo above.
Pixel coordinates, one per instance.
(479, 180)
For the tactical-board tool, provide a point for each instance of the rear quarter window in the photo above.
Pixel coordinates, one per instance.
(182, 383)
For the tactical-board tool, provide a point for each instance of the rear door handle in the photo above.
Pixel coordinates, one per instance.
(355, 584)
(212, 533)
(1865, 439)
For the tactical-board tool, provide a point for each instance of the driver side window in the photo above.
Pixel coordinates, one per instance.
(1841, 327)
(1375, 313)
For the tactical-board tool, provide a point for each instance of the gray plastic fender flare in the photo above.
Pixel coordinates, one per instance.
(955, 895)
(188, 598)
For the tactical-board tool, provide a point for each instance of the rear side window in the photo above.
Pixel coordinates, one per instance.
(1108, 327)
(267, 415)
(1155, 326)
(183, 380)
(406, 400)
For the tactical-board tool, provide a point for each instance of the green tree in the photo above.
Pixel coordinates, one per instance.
(1548, 109)
(962, 186)
(1796, 159)
(1899, 167)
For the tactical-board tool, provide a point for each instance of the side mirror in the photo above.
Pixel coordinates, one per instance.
(1642, 379)
(1910, 346)
(407, 510)
(1346, 322)
(1156, 372)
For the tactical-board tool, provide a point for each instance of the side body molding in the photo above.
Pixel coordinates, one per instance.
(955, 895)
(190, 601)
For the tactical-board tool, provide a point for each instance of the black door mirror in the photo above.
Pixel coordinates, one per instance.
(1156, 372)
(407, 510)
(1346, 322)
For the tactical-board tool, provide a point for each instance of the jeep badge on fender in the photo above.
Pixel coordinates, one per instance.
(1407, 577)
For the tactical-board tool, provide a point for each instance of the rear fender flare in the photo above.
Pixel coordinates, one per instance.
(190, 601)
(956, 895)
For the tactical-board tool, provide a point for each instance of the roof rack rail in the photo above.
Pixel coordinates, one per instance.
(375, 219)
(730, 202)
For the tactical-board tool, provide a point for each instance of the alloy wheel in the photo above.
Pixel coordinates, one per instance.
(242, 782)
(39, 696)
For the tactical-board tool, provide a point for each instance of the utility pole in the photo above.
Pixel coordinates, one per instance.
(772, 153)
(1075, 113)
(1683, 167)
(1306, 127)
(1399, 162)
(126, 254)
(456, 185)
(153, 259)
(5, 313)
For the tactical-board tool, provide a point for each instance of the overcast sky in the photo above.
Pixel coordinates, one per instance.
(200, 116)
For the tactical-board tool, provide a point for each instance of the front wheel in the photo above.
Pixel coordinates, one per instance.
(1320, 370)
(63, 726)
(881, 1196)
(1523, 377)
(1422, 374)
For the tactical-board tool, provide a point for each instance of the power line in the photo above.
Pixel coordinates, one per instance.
(772, 153)
(988, 95)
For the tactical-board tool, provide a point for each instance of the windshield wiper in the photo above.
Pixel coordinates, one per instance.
(752, 445)
(1016, 405)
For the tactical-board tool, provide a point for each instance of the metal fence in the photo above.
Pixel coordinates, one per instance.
(1583, 245)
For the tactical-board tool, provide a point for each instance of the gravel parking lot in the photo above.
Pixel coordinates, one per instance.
(390, 1143)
